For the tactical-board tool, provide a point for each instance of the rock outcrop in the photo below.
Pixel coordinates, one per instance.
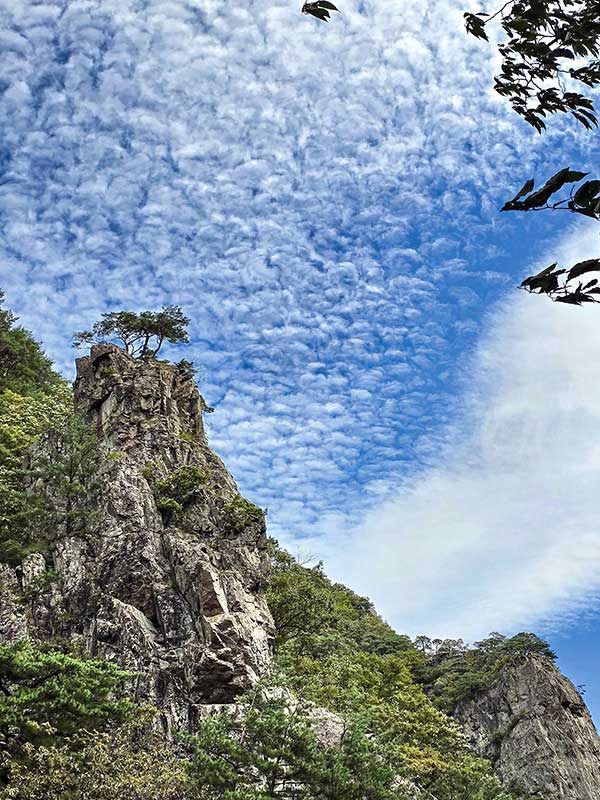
(171, 584)
(535, 728)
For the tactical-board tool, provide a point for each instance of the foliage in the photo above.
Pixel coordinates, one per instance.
(128, 762)
(47, 695)
(548, 41)
(140, 334)
(33, 399)
(552, 281)
(317, 615)
(68, 474)
(46, 492)
(334, 651)
(320, 9)
(451, 672)
(271, 750)
(240, 514)
(178, 490)
(23, 366)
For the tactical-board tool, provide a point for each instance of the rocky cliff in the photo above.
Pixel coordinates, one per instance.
(168, 580)
(535, 728)
(171, 583)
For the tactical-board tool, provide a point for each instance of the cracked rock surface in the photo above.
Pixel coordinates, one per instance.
(177, 598)
(534, 726)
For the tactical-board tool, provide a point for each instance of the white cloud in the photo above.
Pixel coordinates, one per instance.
(502, 531)
(321, 200)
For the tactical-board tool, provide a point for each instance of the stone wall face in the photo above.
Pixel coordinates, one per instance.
(534, 726)
(177, 598)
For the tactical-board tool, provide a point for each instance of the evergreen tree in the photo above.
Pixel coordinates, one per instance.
(271, 750)
(23, 366)
(67, 474)
(47, 695)
(139, 334)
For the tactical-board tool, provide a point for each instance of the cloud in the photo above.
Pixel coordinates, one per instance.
(501, 531)
(321, 200)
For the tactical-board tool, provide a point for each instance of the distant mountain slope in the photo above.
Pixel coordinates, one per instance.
(535, 728)
(123, 537)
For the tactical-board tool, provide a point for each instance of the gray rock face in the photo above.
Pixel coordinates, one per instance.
(537, 731)
(176, 597)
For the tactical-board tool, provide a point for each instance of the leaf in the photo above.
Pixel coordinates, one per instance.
(552, 185)
(321, 14)
(591, 265)
(563, 52)
(586, 192)
(525, 189)
(544, 282)
(475, 26)
(543, 273)
(587, 212)
(573, 176)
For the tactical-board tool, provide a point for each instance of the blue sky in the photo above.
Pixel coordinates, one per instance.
(323, 202)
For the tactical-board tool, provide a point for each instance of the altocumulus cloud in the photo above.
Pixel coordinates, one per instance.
(502, 532)
(321, 200)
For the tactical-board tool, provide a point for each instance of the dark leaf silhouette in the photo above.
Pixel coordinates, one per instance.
(591, 265)
(544, 282)
(544, 38)
(550, 281)
(540, 198)
(556, 182)
(319, 9)
(587, 192)
(525, 189)
(554, 282)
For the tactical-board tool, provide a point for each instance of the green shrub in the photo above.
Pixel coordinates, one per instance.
(49, 694)
(129, 762)
(108, 372)
(241, 514)
(178, 490)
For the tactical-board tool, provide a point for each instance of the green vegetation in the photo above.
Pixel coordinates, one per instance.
(451, 672)
(45, 493)
(240, 514)
(47, 696)
(128, 762)
(314, 616)
(48, 493)
(23, 366)
(333, 650)
(272, 751)
(68, 731)
(177, 491)
(141, 334)
(68, 476)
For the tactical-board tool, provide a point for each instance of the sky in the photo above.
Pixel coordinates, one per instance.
(323, 202)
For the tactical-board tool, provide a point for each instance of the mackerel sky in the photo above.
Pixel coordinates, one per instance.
(322, 201)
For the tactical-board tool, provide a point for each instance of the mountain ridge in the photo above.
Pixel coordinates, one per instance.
(154, 562)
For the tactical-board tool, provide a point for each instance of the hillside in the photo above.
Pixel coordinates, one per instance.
(155, 644)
